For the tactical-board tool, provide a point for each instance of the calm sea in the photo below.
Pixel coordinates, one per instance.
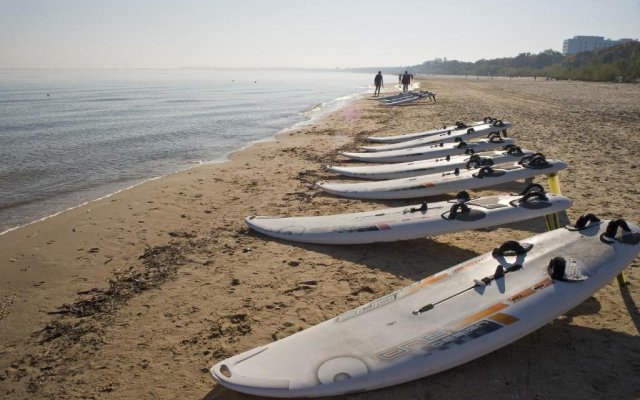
(72, 136)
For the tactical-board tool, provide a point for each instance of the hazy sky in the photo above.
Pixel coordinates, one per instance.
(296, 33)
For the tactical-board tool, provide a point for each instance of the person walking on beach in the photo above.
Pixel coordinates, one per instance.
(406, 81)
(378, 82)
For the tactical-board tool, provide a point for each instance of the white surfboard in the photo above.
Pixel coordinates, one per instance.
(396, 96)
(429, 152)
(446, 182)
(401, 96)
(412, 98)
(412, 222)
(451, 181)
(443, 321)
(459, 125)
(426, 167)
(480, 131)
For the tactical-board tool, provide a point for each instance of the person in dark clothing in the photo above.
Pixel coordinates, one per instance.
(378, 82)
(406, 81)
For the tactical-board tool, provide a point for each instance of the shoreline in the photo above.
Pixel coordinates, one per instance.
(208, 288)
(310, 114)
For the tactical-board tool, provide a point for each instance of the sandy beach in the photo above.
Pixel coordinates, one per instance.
(137, 295)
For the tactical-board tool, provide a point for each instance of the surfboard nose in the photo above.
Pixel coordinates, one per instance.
(226, 373)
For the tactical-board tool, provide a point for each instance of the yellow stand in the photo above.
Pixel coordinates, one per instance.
(553, 220)
(622, 280)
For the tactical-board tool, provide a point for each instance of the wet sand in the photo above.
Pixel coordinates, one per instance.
(137, 295)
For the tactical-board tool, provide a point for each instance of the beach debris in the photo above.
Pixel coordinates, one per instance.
(182, 234)
(159, 264)
(363, 289)
(72, 331)
(5, 302)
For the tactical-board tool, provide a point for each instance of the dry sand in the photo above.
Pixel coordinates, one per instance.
(135, 296)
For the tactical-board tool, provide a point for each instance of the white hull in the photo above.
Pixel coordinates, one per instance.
(436, 184)
(480, 131)
(405, 223)
(416, 135)
(424, 167)
(438, 323)
(429, 152)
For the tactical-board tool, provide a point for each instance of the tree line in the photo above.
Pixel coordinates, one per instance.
(607, 64)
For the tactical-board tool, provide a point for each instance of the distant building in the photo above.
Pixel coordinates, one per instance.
(588, 43)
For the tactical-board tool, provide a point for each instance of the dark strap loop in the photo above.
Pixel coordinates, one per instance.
(537, 195)
(535, 160)
(491, 135)
(484, 171)
(511, 247)
(460, 125)
(476, 161)
(538, 161)
(529, 157)
(470, 130)
(557, 268)
(458, 139)
(514, 150)
(585, 221)
(496, 139)
(461, 145)
(498, 123)
(469, 151)
(614, 225)
(534, 187)
(463, 196)
(422, 208)
(448, 158)
(448, 132)
(453, 212)
(473, 161)
(486, 120)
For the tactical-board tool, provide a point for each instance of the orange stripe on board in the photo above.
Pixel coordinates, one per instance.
(467, 265)
(428, 184)
(504, 319)
(480, 314)
(432, 280)
(529, 291)
(427, 281)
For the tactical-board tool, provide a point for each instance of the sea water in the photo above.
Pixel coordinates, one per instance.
(71, 136)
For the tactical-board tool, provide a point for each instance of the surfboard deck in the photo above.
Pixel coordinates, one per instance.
(440, 322)
(479, 131)
(436, 184)
(425, 167)
(410, 136)
(429, 152)
(411, 222)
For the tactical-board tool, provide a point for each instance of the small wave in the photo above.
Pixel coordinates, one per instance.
(311, 109)
(343, 98)
(110, 99)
